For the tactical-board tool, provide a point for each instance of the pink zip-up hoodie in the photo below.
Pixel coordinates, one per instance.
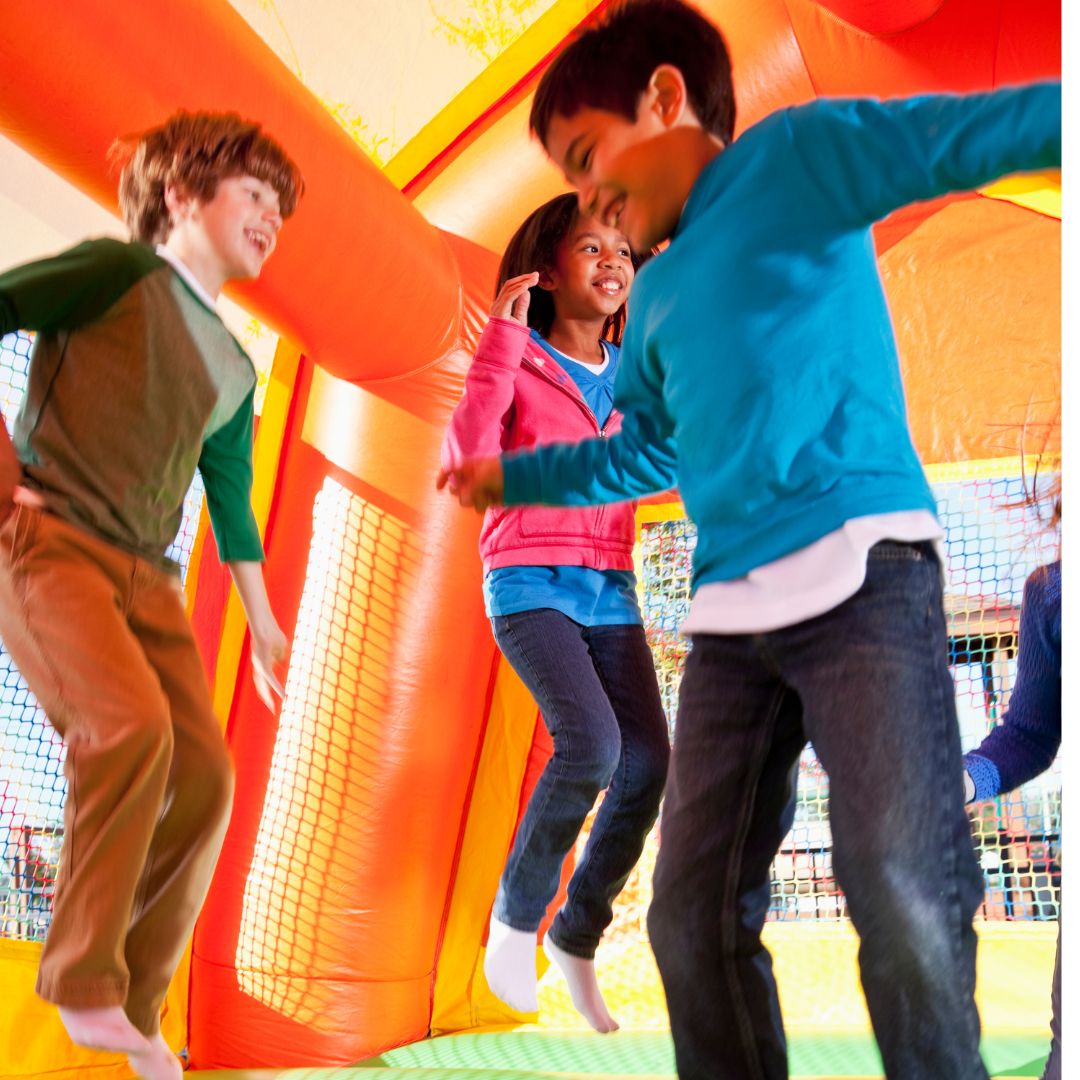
(517, 396)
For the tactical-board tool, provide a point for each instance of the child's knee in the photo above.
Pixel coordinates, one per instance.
(206, 783)
(152, 737)
(218, 782)
(602, 759)
(655, 771)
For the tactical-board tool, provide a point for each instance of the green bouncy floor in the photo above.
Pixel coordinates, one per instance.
(517, 1054)
(828, 1027)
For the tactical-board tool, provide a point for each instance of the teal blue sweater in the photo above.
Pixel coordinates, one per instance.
(759, 368)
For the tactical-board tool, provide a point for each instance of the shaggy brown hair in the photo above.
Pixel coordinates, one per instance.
(194, 151)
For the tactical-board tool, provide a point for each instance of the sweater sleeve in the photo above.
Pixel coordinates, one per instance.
(871, 157)
(1027, 740)
(72, 288)
(638, 460)
(225, 464)
(481, 419)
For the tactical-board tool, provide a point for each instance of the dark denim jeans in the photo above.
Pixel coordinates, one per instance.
(596, 689)
(867, 683)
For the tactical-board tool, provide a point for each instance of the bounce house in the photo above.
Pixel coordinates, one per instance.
(345, 925)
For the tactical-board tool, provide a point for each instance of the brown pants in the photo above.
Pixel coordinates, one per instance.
(102, 639)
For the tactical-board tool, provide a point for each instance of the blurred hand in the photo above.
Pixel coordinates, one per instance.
(513, 299)
(477, 482)
(969, 788)
(269, 649)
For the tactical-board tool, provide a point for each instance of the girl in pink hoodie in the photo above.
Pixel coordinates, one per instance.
(560, 591)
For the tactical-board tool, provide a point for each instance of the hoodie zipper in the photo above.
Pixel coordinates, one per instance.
(576, 397)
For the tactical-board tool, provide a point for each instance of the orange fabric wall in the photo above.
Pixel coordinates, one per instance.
(319, 940)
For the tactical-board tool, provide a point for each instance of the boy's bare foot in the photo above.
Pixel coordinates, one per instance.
(580, 975)
(510, 966)
(106, 1029)
(157, 1062)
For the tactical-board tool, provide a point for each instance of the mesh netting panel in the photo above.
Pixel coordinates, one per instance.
(32, 785)
(993, 541)
(326, 785)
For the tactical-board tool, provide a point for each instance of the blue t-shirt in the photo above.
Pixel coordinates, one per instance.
(589, 597)
(759, 370)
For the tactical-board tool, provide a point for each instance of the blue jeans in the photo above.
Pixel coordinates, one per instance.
(596, 689)
(867, 683)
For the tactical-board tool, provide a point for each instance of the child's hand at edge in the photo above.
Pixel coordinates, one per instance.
(513, 299)
(269, 650)
(969, 788)
(477, 482)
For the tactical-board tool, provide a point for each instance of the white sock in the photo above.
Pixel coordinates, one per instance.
(106, 1029)
(510, 966)
(580, 975)
(157, 1062)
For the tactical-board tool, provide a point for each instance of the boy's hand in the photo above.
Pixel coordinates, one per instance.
(477, 482)
(513, 299)
(269, 648)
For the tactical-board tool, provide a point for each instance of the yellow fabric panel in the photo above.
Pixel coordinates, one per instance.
(1040, 192)
(461, 998)
(991, 468)
(817, 972)
(33, 1042)
(484, 92)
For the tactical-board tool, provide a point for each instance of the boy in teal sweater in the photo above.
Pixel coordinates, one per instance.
(759, 355)
(135, 382)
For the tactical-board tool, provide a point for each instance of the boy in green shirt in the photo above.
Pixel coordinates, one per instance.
(134, 383)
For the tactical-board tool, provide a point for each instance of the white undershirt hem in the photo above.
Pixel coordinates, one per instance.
(808, 582)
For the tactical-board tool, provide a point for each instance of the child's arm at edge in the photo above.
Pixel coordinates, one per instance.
(1026, 741)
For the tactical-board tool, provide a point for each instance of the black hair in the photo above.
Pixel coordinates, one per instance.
(609, 64)
(533, 247)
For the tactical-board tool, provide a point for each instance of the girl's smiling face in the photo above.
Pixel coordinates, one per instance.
(592, 273)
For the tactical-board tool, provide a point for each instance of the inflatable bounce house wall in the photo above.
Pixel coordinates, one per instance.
(349, 908)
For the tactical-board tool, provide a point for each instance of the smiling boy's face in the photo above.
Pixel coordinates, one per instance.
(632, 175)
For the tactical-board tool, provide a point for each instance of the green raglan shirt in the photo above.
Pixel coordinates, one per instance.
(133, 384)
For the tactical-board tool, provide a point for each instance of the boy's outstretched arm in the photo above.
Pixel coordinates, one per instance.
(72, 288)
(873, 157)
(636, 461)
